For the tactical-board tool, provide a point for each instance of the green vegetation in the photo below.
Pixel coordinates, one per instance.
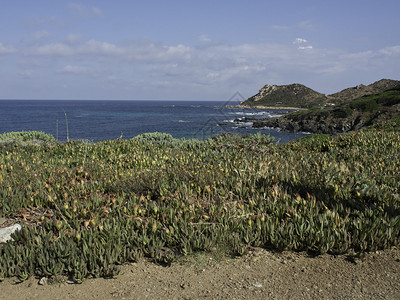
(91, 207)
(298, 95)
(292, 95)
(380, 110)
(383, 101)
(364, 104)
(24, 138)
(301, 114)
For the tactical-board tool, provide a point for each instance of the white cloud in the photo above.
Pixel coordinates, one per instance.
(73, 39)
(303, 25)
(78, 70)
(302, 42)
(390, 51)
(280, 27)
(306, 24)
(215, 68)
(26, 74)
(299, 41)
(39, 35)
(75, 8)
(305, 47)
(53, 49)
(212, 59)
(204, 38)
(73, 69)
(94, 47)
(97, 11)
(80, 10)
(146, 52)
(6, 49)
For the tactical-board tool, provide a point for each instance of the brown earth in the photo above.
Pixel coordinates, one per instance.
(259, 275)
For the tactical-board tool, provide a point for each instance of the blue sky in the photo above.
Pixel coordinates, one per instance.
(192, 50)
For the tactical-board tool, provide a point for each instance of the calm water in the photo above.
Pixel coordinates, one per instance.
(103, 120)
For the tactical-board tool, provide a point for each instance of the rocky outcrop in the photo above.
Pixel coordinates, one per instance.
(300, 96)
(292, 95)
(353, 115)
(313, 124)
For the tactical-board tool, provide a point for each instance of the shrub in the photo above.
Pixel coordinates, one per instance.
(367, 103)
(314, 142)
(93, 207)
(24, 138)
(156, 138)
(342, 112)
(389, 98)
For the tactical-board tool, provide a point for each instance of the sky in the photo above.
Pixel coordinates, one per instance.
(192, 50)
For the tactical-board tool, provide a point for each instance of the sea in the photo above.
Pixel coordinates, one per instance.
(97, 120)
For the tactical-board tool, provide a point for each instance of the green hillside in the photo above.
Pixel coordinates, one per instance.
(359, 113)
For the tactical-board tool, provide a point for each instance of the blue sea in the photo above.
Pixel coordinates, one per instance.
(95, 120)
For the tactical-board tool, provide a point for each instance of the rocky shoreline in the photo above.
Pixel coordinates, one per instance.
(353, 115)
(323, 124)
(313, 112)
(265, 107)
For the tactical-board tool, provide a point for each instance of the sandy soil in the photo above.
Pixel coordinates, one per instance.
(259, 275)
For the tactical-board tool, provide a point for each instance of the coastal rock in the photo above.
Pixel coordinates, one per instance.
(301, 96)
(5, 233)
(313, 124)
(355, 114)
(291, 95)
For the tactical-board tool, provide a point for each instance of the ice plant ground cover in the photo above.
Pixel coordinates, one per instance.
(87, 208)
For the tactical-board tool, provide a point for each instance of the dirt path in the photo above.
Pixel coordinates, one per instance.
(258, 275)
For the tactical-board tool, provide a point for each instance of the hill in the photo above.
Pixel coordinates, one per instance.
(292, 95)
(365, 111)
(300, 96)
(361, 90)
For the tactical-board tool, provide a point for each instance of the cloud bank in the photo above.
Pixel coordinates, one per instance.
(141, 69)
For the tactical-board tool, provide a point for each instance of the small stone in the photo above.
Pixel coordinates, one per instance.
(257, 284)
(43, 281)
(5, 233)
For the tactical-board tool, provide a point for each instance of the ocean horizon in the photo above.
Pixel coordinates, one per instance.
(97, 120)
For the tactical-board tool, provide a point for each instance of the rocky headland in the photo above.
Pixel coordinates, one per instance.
(351, 109)
(287, 96)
